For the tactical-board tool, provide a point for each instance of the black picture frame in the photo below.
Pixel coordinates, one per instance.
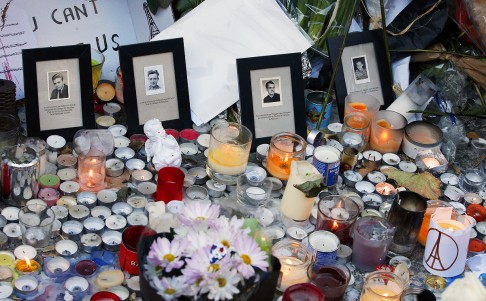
(62, 114)
(287, 114)
(137, 61)
(367, 47)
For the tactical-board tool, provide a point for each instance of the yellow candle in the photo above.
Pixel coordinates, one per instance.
(380, 293)
(27, 265)
(451, 225)
(228, 159)
(6, 258)
(293, 271)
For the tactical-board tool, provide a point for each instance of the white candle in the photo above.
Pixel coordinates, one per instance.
(139, 176)
(291, 272)
(107, 197)
(472, 198)
(78, 212)
(114, 167)
(135, 164)
(25, 251)
(12, 230)
(256, 193)
(264, 216)
(11, 213)
(203, 141)
(66, 247)
(116, 222)
(72, 228)
(188, 148)
(76, 284)
(124, 153)
(69, 187)
(26, 284)
(391, 159)
(112, 238)
(90, 242)
(137, 218)
(474, 177)
(101, 211)
(147, 188)
(453, 193)
(30, 219)
(122, 208)
(57, 265)
(109, 278)
(376, 177)
(118, 130)
(372, 156)
(364, 187)
(296, 233)
(352, 139)
(66, 201)
(93, 224)
(335, 144)
(431, 162)
(111, 108)
(105, 121)
(121, 141)
(449, 179)
(407, 166)
(137, 202)
(56, 142)
(87, 198)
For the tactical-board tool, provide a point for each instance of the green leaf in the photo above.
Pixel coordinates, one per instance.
(164, 3)
(311, 188)
(153, 6)
(183, 5)
(475, 110)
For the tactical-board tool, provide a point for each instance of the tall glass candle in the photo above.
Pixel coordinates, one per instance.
(362, 103)
(294, 259)
(356, 130)
(295, 204)
(382, 286)
(284, 148)
(92, 172)
(387, 131)
(229, 148)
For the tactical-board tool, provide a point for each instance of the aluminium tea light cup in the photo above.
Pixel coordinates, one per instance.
(26, 286)
(78, 212)
(111, 109)
(114, 167)
(66, 248)
(124, 153)
(336, 144)
(204, 128)
(391, 159)
(104, 122)
(376, 177)
(90, 242)
(188, 148)
(55, 143)
(364, 187)
(72, 229)
(111, 240)
(76, 286)
(116, 222)
(49, 195)
(6, 274)
(296, 233)
(118, 130)
(69, 188)
(121, 141)
(372, 201)
(66, 161)
(407, 166)
(107, 197)
(215, 189)
(203, 141)
(352, 177)
(3, 221)
(199, 173)
(109, 278)
(139, 176)
(67, 174)
(371, 158)
(13, 232)
(134, 164)
(88, 199)
(25, 251)
(196, 193)
(11, 214)
(66, 201)
(49, 181)
(56, 267)
(102, 212)
(137, 202)
(137, 219)
(449, 179)
(453, 193)
(122, 292)
(148, 189)
(93, 225)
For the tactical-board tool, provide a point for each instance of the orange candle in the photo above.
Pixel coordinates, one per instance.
(284, 148)
(27, 266)
(387, 131)
(432, 205)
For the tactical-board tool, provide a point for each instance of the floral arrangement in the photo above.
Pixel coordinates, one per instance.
(210, 256)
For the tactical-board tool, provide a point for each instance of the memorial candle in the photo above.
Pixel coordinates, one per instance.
(284, 148)
(387, 131)
(337, 214)
(27, 266)
(91, 173)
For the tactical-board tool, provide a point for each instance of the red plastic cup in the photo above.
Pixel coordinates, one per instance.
(105, 296)
(170, 183)
(128, 249)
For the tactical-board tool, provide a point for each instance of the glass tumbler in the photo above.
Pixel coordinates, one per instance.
(381, 285)
(331, 279)
(387, 128)
(253, 194)
(284, 148)
(362, 103)
(36, 222)
(229, 148)
(356, 131)
(97, 61)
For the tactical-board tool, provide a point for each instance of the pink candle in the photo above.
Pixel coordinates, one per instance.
(49, 195)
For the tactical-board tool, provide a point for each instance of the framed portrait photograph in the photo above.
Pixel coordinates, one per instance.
(271, 91)
(58, 90)
(155, 84)
(362, 68)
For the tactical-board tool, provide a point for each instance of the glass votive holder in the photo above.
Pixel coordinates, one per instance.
(362, 103)
(97, 61)
(380, 285)
(252, 194)
(337, 214)
(36, 222)
(229, 148)
(356, 130)
(332, 280)
(299, 291)
(92, 172)
(387, 129)
(284, 148)
(294, 258)
(432, 161)
(406, 214)
(471, 179)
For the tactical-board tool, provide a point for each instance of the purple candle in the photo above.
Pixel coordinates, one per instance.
(85, 267)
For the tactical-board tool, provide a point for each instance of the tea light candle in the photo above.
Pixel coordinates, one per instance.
(481, 228)
(324, 244)
(109, 278)
(371, 158)
(49, 195)
(25, 251)
(372, 201)
(431, 162)
(343, 254)
(66, 247)
(435, 284)
(197, 193)
(352, 177)
(69, 188)
(6, 275)
(453, 193)
(407, 166)
(85, 268)
(215, 189)
(72, 229)
(11, 213)
(137, 202)
(90, 242)
(121, 141)
(124, 153)
(200, 174)
(116, 222)
(139, 176)
(101, 211)
(26, 285)
(78, 212)
(449, 179)
(203, 141)
(376, 177)
(7, 259)
(66, 161)
(30, 219)
(67, 174)
(391, 159)
(27, 266)
(49, 181)
(188, 149)
(56, 266)
(148, 189)
(121, 208)
(107, 197)
(296, 233)
(385, 189)
(111, 108)
(202, 129)
(13, 232)
(76, 285)
(54, 144)
(460, 208)
(121, 291)
(111, 240)
(364, 187)
(114, 167)
(472, 198)
(66, 201)
(118, 130)
(93, 225)
(87, 198)
(137, 219)
(261, 151)
(104, 122)
(134, 164)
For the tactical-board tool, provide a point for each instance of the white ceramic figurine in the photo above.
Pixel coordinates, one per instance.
(162, 148)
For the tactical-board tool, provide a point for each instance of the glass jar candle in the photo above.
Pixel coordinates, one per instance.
(380, 286)
(362, 103)
(294, 259)
(387, 131)
(356, 130)
(92, 172)
(337, 214)
(284, 148)
(229, 148)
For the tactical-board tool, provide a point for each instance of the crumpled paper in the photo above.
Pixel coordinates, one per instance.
(216, 33)
(468, 288)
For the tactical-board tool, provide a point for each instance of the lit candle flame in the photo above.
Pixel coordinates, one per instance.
(385, 295)
(334, 226)
(93, 161)
(450, 228)
(28, 263)
(90, 173)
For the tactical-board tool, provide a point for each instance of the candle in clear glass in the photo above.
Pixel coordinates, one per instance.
(337, 214)
(294, 259)
(371, 238)
(382, 286)
(358, 124)
(92, 172)
(284, 148)
(332, 280)
(387, 131)
(363, 103)
(229, 148)
(295, 204)
(432, 205)
(36, 225)
(303, 291)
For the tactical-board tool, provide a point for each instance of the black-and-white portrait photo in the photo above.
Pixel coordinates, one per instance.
(58, 83)
(271, 92)
(154, 79)
(360, 69)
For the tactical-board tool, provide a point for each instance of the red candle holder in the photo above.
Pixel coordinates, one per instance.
(85, 268)
(303, 291)
(189, 135)
(477, 211)
(170, 183)
(174, 133)
(128, 249)
(105, 296)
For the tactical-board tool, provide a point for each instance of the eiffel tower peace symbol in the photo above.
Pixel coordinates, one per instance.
(435, 260)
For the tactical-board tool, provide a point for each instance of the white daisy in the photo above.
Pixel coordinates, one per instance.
(249, 256)
(224, 285)
(167, 254)
(171, 288)
(197, 213)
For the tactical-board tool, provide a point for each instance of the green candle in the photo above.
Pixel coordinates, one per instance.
(50, 181)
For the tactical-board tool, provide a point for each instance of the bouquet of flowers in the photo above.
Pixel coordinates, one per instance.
(210, 256)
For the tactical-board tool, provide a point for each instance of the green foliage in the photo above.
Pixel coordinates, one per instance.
(153, 6)
(311, 188)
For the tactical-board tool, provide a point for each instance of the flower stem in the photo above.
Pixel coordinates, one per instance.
(445, 114)
(385, 40)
